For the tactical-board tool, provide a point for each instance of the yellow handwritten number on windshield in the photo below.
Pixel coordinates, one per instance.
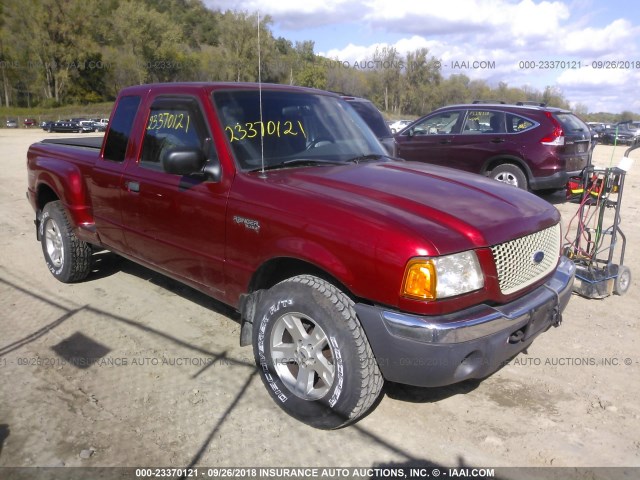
(277, 128)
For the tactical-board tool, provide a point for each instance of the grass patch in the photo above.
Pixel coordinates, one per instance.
(94, 110)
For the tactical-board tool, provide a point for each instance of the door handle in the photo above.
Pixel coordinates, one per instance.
(444, 142)
(133, 186)
(497, 140)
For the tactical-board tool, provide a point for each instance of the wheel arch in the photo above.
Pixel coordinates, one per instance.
(494, 162)
(278, 269)
(62, 180)
(272, 272)
(44, 195)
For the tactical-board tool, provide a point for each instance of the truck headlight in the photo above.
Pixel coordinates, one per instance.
(441, 277)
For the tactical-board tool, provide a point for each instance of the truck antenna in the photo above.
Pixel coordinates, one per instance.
(262, 172)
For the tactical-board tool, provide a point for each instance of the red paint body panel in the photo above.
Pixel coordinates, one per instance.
(358, 222)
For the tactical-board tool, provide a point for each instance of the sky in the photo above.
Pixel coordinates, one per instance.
(590, 50)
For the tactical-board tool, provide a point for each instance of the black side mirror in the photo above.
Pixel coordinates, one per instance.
(183, 160)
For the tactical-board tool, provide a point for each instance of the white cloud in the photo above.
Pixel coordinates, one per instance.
(353, 52)
(511, 22)
(504, 32)
(589, 77)
(617, 36)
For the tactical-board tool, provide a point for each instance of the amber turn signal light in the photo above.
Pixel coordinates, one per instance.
(419, 280)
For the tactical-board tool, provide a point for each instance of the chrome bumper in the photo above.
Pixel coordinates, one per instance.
(483, 320)
(473, 343)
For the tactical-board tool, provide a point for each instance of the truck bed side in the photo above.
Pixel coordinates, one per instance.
(59, 169)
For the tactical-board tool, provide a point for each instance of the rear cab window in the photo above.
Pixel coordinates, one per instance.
(115, 147)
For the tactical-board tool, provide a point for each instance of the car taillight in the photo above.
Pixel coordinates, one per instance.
(557, 136)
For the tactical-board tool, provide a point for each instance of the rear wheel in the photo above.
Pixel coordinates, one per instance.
(510, 174)
(67, 257)
(313, 355)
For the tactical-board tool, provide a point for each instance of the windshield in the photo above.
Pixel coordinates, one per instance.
(294, 129)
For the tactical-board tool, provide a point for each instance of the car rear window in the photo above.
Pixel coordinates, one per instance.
(570, 123)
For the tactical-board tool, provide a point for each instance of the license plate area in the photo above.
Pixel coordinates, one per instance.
(541, 318)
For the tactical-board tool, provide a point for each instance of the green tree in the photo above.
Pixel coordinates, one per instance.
(55, 37)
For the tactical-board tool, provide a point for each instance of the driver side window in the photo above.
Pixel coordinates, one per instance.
(171, 123)
(440, 124)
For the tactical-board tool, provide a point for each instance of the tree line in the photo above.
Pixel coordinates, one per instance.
(56, 53)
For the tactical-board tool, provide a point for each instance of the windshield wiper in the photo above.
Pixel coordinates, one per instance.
(296, 162)
(364, 158)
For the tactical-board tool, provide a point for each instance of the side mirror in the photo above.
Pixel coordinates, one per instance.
(183, 160)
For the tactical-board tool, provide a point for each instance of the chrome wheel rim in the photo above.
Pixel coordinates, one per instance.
(302, 356)
(508, 178)
(53, 243)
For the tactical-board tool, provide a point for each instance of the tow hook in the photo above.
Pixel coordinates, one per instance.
(556, 320)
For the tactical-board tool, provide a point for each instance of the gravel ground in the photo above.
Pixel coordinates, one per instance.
(173, 388)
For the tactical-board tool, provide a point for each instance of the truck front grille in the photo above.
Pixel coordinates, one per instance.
(525, 260)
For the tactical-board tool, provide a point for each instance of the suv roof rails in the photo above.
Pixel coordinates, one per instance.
(501, 102)
(535, 104)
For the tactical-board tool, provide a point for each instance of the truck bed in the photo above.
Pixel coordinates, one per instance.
(85, 142)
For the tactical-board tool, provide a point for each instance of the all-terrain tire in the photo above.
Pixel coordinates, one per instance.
(67, 258)
(312, 353)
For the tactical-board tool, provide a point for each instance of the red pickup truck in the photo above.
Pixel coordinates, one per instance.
(348, 267)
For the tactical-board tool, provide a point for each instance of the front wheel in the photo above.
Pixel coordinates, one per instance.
(510, 174)
(313, 355)
(67, 257)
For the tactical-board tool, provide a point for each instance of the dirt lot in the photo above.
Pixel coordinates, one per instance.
(173, 388)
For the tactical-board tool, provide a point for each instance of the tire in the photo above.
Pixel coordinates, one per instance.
(67, 258)
(307, 322)
(623, 280)
(510, 174)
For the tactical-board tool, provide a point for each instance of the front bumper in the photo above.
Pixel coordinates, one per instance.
(431, 351)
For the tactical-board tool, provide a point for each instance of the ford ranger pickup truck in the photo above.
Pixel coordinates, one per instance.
(348, 267)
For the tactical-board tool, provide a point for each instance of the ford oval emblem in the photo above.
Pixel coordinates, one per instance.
(537, 257)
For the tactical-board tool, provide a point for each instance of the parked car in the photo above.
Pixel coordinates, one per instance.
(62, 126)
(399, 125)
(87, 126)
(346, 267)
(100, 124)
(620, 134)
(597, 129)
(12, 123)
(29, 122)
(528, 146)
(374, 119)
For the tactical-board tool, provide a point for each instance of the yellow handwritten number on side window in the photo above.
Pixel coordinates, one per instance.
(169, 121)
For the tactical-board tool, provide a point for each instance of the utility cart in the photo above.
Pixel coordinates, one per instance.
(598, 234)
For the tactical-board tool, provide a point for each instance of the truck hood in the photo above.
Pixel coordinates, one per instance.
(450, 209)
